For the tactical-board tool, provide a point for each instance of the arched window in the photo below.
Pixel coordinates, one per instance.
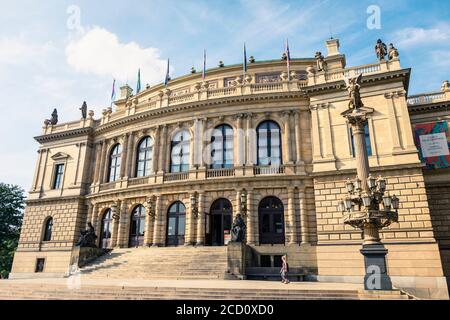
(114, 163)
(48, 229)
(269, 144)
(180, 152)
(222, 147)
(271, 221)
(107, 224)
(176, 224)
(137, 227)
(144, 157)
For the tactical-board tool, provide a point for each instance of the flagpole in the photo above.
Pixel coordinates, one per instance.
(245, 61)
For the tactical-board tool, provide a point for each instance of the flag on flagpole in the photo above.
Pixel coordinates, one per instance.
(113, 92)
(204, 66)
(245, 60)
(167, 79)
(138, 86)
(288, 60)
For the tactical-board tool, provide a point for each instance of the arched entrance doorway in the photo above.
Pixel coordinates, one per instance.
(176, 224)
(271, 221)
(221, 215)
(137, 227)
(105, 234)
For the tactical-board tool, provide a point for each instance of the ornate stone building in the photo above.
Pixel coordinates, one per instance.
(172, 166)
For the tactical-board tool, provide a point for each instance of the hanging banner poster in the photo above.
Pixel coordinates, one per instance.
(433, 142)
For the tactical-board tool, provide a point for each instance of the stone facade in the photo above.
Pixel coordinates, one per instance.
(316, 159)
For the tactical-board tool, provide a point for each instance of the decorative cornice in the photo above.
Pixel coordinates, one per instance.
(194, 105)
(369, 78)
(64, 135)
(429, 108)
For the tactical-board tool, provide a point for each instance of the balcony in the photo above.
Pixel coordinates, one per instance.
(201, 174)
(219, 173)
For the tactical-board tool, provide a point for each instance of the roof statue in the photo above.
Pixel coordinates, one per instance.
(381, 50)
(84, 110)
(320, 62)
(393, 52)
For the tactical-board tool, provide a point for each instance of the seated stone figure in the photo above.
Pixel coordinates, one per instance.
(238, 229)
(87, 238)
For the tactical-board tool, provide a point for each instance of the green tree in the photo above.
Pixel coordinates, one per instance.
(11, 214)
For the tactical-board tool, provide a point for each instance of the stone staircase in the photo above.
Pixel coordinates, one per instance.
(139, 290)
(160, 263)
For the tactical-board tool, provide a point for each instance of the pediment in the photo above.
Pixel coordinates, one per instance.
(60, 156)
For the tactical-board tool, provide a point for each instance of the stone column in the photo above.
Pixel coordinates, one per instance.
(393, 124)
(240, 150)
(149, 225)
(124, 156)
(122, 239)
(192, 147)
(190, 224)
(157, 228)
(287, 136)
(238, 204)
(162, 149)
(156, 149)
(98, 154)
(291, 226)
(204, 141)
(316, 142)
(251, 219)
(251, 141)
(90, 213)
(298, 138)
(103, 165)
(201, 219)
(115, 229)
(131, 159)
(303, 216)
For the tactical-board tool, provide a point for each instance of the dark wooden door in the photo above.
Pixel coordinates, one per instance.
(176, 224)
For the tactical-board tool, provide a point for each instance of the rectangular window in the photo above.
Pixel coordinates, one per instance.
(40, 262)
(59, 172)
(368, 144)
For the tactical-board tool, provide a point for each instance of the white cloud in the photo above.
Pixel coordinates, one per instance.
(99, 52)
(16, 50)
(410, 37)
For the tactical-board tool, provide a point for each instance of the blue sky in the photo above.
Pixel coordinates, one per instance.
(48, 60)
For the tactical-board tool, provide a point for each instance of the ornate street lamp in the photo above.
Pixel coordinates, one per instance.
(194, 204)
(151, 207)
(366, 194)
(114, 211)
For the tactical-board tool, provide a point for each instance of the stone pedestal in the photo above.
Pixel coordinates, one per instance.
(236, 259)
(376, 277)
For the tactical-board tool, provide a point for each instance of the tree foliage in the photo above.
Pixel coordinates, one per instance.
(11, 214)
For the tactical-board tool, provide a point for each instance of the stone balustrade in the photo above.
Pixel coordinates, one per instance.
(338, 75)
(428, 98)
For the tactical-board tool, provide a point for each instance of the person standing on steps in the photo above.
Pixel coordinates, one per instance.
(284, 270)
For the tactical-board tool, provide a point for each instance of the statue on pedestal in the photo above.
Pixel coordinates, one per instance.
(84, 110)
(445, 86)
(381, 50)
(54, 119)
(87, 238)
(393, 52)
(238, 229)
(320, 62)
(353, 86)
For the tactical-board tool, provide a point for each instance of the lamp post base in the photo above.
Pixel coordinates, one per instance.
(376, 277)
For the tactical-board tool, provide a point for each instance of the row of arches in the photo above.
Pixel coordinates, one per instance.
(222, 150)
(218, 224)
